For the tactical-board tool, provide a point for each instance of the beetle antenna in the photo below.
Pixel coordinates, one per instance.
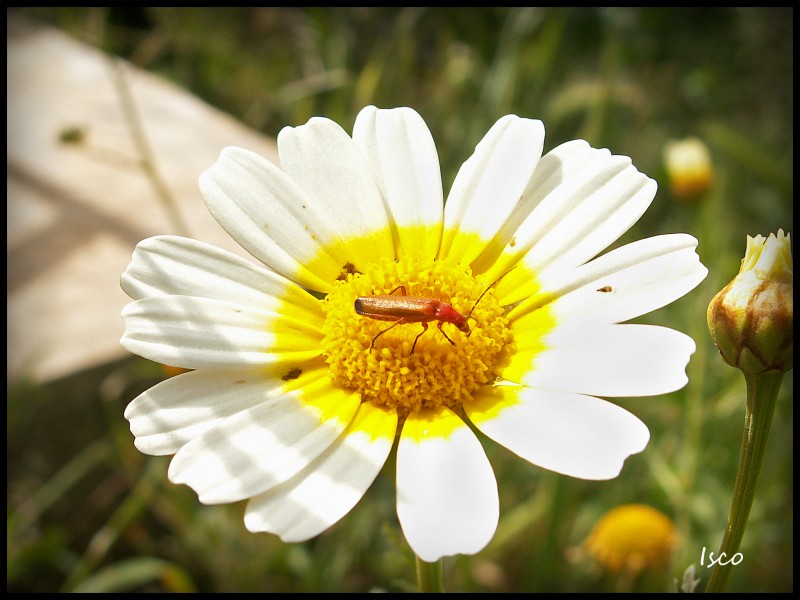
(483, 293)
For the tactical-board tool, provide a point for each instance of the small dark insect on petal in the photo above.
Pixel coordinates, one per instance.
(605, 289)
(292, 374)
(348, 268)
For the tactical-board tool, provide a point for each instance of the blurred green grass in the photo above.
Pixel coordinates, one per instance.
(88, 512)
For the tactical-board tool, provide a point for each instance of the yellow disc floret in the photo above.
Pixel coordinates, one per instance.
(445, 367)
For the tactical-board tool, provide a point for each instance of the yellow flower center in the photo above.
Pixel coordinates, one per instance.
(374, 355)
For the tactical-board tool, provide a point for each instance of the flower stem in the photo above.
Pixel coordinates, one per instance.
(762, 393)
(145, 153)
(429, 576)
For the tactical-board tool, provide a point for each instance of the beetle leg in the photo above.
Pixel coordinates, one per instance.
(447, 337)
(399, 287)
(395, 324)
(424, 329)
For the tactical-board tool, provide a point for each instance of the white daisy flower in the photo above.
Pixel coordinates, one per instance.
(295, 402)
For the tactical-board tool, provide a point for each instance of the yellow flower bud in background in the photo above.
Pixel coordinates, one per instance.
(170, 371)
(631, 538)
(688, 164)
(750, 319)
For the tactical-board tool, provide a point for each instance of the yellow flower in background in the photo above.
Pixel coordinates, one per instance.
(632, 538)
(170, 371)
(689, 167)
(297, 398)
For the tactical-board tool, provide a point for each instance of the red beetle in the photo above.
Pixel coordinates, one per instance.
(412, 309)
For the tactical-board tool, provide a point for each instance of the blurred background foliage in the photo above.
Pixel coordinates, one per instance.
(86, 511)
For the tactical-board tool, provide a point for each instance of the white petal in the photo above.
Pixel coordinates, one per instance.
(330, 169)
(625, 283)
(521, 231)
(172, 265)
(584, 199)
(489, 185)
(447, 499)
(606, 360)
(262, 446)
(174, 412)
(199, 333)
(271, 217)
(402, 157)
(575, 435)
(330, 486)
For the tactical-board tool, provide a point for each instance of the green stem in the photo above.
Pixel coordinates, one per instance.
(145, 153)
(762, 392)
(429, 576)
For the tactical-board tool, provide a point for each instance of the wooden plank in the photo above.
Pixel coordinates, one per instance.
(79, 199)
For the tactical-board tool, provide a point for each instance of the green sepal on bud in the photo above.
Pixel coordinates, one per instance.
(751, 318)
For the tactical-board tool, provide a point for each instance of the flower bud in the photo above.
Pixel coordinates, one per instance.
(750, 319)
(688, 165)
